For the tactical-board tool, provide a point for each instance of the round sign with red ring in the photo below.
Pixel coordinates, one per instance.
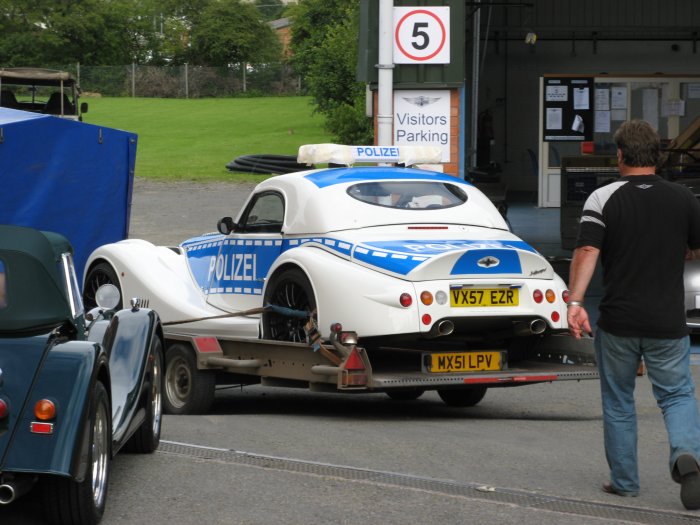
(420, 38)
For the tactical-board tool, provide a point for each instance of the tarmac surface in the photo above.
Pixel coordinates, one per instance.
(530, 455)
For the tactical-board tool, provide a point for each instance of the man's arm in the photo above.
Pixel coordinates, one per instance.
(580, 275)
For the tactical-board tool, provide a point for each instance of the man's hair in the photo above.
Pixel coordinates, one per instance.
(639, 143)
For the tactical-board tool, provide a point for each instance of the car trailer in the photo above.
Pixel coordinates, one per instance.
(196, 364)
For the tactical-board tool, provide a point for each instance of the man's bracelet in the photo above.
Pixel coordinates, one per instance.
(574, 303)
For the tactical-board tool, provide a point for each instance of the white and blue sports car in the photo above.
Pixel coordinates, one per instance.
(390, 252)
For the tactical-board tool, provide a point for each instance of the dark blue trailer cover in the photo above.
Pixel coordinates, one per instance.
(66, 176)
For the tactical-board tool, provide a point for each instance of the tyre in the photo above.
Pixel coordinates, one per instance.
(408, 394)
(66, 500)
(289, 289)
(463, 397)
(187, 390)
(146, 439)
(101, 273)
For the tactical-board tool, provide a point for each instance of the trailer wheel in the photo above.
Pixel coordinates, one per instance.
(66, 500)
(187, 390)
(146, 439)
(463, 397)
(407, 394)
(101, 273)
(289, 289)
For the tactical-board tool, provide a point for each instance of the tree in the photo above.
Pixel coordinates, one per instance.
(324, 42)
(230, 32)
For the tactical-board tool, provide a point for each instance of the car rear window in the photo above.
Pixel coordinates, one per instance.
(411, 195)
(3, 285)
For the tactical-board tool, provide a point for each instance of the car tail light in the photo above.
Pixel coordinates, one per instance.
(354, 372)
(551, 296)
(41, 428)
(406, 300)
(4, 410)
(45, 410)
(566, 296)
(555, 317)
(426, 298)
(426, 319)
(441, 297)
(537, 296)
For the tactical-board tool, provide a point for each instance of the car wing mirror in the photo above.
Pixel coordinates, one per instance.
(226, 225)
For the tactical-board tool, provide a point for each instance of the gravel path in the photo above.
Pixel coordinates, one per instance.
(167, 213)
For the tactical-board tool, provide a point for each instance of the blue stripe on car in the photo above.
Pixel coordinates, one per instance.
(499, 262)
(331, 177)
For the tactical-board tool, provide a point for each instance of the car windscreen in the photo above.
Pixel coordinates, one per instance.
(413, 195)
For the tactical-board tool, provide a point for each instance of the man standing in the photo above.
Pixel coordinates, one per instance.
(642, 226)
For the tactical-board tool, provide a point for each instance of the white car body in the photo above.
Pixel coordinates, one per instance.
(359, 258)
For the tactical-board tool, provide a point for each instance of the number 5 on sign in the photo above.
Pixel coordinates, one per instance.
(422, 35)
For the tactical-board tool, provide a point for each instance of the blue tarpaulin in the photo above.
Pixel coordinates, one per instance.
(66, 176)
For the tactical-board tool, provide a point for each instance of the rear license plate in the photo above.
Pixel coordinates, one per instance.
(465, 362)
(460, 297)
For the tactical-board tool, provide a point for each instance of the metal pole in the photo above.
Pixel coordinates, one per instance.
(476, 36)
(133, 79)
(385, 102)
(187, 82)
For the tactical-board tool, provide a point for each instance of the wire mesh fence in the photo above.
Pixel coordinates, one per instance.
(186, 81)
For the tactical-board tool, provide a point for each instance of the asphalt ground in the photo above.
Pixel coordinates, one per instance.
(526, 455)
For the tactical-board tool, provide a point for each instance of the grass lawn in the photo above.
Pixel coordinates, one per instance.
(194, 139)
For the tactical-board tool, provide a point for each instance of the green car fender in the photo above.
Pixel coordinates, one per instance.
(65, 377)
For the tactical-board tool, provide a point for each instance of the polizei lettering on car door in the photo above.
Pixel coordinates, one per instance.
(233, 267)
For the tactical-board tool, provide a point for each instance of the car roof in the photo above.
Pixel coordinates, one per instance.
(317, 200)
(36, 299)
(36, 76)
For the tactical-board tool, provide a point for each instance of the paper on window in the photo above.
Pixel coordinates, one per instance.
(554, 118)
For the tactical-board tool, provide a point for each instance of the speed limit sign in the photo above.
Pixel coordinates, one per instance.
(422, 35)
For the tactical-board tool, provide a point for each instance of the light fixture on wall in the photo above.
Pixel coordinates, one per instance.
(531, 38)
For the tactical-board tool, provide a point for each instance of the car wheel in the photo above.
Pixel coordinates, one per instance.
(66, 500)
(187, 390)
(289, 289)
(408, 394)
(101, 273)
(146, 439)
(463, 397)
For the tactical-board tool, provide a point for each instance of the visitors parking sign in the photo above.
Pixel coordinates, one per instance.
(422, 35)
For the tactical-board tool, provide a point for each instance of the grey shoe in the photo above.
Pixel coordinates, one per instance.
(689, 474)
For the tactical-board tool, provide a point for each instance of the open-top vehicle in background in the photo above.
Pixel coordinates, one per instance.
(41, 90)
(75, 388)
(420, 264)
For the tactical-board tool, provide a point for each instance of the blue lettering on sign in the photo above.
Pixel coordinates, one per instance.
(377, 151)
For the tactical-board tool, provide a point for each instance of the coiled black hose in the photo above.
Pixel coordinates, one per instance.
(276, 164)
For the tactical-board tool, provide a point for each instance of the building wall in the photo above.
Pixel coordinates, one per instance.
(509, 86)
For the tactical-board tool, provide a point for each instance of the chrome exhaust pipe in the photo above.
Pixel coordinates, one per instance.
(534, 327)
(11, 490)
(8, 494)
(441, 329)
(538, 326)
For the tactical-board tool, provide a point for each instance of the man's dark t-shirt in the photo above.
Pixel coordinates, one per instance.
(643, 225)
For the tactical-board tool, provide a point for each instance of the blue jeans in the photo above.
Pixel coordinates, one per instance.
(668, 367)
